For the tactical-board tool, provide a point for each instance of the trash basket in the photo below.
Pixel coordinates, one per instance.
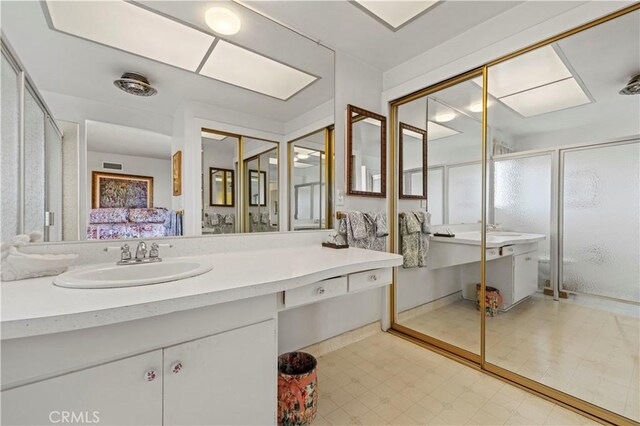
(297, 388)
(493, 300)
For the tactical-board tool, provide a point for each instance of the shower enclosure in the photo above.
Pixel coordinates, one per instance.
(533, 177)
(31, 151)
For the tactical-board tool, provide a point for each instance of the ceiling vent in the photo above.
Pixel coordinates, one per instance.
(135, 84)
(633, 87)
(111, 166)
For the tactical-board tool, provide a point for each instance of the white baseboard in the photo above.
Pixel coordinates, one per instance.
(430, 306)
(344, 339)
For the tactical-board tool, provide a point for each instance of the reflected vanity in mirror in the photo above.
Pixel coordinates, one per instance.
(366, 153)
(309, 178)
(135, 125)
(412, 160)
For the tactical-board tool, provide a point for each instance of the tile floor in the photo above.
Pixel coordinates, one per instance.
(587, 347)
(385, 380)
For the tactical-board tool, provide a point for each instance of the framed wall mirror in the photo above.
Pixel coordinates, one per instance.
(366, 153)
(221, 187)
(412, 161)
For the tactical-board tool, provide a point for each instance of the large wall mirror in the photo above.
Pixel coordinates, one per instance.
(310, 180)
(150, 151)
(366, 153)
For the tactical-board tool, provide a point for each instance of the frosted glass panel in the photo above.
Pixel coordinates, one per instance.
(54, 181)
(465, 194)
(9, 153)
(435, 195)
(522, 202)
(601, 222)
(34, 164)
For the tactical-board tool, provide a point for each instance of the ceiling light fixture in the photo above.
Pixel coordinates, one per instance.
(437, 131)
(222, 20)
(215, 136)
(444, 117)
(243, 68)
(633, 87)
(303, 156)
(476, 107)
(135, 84)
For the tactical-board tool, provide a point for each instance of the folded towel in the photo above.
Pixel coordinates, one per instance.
(264, 218)
(380, 220)
(229, 219)
(19, 266)
(365, 230)
(214, 219)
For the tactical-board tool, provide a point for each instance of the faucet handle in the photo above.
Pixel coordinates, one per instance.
(154, 253)
(125, 253)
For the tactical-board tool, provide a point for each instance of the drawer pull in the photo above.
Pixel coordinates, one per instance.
(150, 375)
(373, 277)
(320, 291)
(176, 367)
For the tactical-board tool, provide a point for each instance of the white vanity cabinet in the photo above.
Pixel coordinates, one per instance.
(525, 275)
(124, 392)
(226, 379)
(515, 274)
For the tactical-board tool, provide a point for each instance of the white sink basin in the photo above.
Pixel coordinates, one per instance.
(111, 276)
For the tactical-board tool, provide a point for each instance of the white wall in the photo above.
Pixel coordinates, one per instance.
(160, 170)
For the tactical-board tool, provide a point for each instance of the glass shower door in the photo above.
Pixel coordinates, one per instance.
(601, 231)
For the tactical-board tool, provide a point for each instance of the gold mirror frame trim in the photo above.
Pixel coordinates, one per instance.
(328, 170)
(401, 193)
(362, 115)
(453, 352)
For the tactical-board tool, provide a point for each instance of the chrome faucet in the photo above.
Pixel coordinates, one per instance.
(493, 227)
(141, 251)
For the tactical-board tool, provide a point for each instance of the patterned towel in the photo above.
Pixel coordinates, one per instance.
(415, 244)
(365, 230)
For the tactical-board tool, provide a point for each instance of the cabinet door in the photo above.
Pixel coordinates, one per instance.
(117, 393)
(525, 275)
(225, 379)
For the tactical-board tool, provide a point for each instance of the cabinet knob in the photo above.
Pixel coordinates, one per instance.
(150, 375)
(176, 367)
(373, 277)
(321, 290)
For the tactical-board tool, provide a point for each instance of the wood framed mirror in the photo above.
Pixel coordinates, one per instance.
(412, 162)
(366, 153)
(221, 187)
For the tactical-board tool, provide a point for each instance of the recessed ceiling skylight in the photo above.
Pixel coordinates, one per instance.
(552, 97)
(395, 13)
(241, 67)
(535, 83)
(131, 28)
(438, 131)
(412, 133)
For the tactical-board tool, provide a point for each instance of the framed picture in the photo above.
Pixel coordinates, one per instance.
(114, 190)
(177, 173)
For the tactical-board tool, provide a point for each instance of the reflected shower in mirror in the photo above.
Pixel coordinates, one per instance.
(366, 153)
(309, 205)
(141, 126)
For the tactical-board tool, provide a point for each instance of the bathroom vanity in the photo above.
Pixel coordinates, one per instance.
(512, 260)
(201, 350)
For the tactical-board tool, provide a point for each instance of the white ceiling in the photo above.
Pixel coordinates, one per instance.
(123, 140)
(346, 27)
(65, 64)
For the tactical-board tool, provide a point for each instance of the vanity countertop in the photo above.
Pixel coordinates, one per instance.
(35, 306)
(494, 239)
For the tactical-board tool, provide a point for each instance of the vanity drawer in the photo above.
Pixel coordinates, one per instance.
(492, 253)
(315, 292)
(370, 279)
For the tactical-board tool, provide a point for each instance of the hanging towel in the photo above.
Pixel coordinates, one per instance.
(214, 219)
(355, 227)
(264, 218)
(415, 243)
(380, 230)
(229, 219)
